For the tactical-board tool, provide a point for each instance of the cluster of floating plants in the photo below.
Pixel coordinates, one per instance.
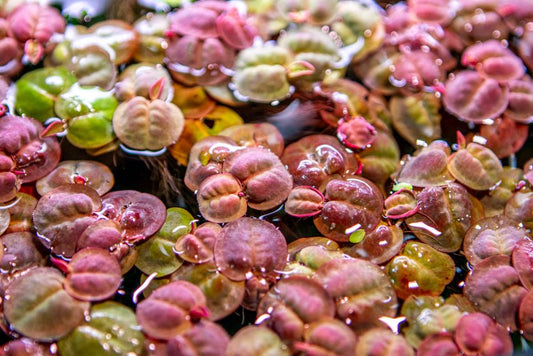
(260, 177)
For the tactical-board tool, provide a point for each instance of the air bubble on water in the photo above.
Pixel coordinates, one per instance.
(367, 33)
(468, 27)
(398, 83)
(87, 316)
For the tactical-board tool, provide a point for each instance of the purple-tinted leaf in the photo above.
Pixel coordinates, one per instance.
(476, 166)
(493, 60)
(505, 136)
(171, 310)
(520, 208)
(401, 204)
(63, 214)
(25, 347)
(316, 159)
(93, 275)
(522, 257)
(383, 341)
(102, 233)
(494, 288)
(477, 333)
(378, 246)
(362, 291)
(266, 182)
(204, 338)
(304, 201)
(234, 29)
(525, 316)
(438, 11)
(250, 245)
(327, 337)
(33, 157)
(221, 198)
(350, 205)
(139, 214)
(356, 133)
(444, 215)
(37, 306)
(197, 246)
(91, 173)
(441, 344)
(496, 235)
(473, 98)
(293, 303)
(21, 252)
(427, 167)
(206, 158)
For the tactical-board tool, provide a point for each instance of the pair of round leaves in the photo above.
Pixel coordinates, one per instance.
(142, 124)
(347, 206)
(253, 177)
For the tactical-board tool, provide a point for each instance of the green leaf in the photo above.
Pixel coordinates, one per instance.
(112, 330)
(357, 236)
(157, 254)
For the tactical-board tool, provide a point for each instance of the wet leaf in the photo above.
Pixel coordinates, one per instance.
(350, 205)
(250, 245)
(314, 160)
(258, 134)
(494, 288)
(111, 330)
(157, 255)
(138, 79)
(266, 182)
(416, 117)
(304, 201)
(38, 90)
(420, 270)
(204, 338)
(197, 246)
(292, 304)
(93, 275)
(383, 341)
(91, 173)
(327, 336)
(140, 215)
(37, 306)
(256, 340)
(492, 236)
(167, 312)
(525, 316)
(221, 198)
(88, 112)
(477, 333)
(223, 295)
(379, 245)
(472, 98)
(476, 166)
(362, 291)
(522, 257)
(444, 215)
(62, 215)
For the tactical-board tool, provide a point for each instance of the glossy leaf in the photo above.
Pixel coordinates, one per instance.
(37, 306)
(91, 173)
(419, 270)
(157, 255)
(111, 330)
(221, 198)
(250, 245)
